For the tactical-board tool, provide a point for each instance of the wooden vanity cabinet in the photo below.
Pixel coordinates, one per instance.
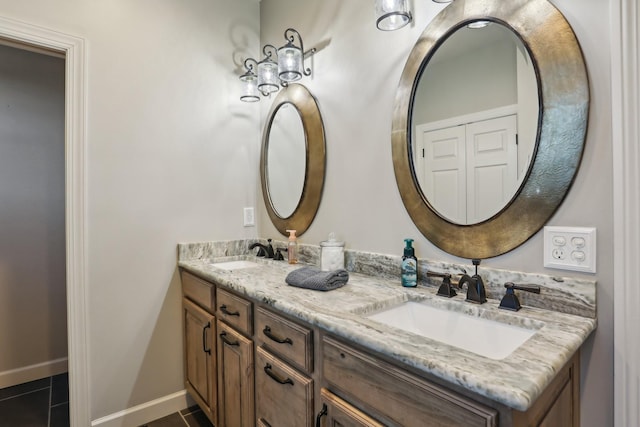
(284, 369)
(218, 352)
(301, 376)
(199, 344)
(397, 395)
(235, 378)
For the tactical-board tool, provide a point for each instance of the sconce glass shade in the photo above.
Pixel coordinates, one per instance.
(392, 14)
(290, 63)
(249, 87)
(268, 76)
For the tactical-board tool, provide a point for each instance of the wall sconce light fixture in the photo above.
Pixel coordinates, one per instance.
(291, 58)
(277, 68)
(249, 82)
(268, 71)
(392, 14)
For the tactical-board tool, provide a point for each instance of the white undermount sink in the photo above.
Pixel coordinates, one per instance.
(235, 265)
(488, 338)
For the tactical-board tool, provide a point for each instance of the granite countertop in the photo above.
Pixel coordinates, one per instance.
(516, 381)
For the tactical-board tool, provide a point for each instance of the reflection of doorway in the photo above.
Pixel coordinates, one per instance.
(468, 171)
(75, 200)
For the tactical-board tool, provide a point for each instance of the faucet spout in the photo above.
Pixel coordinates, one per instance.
(475, 288)
(265, 250)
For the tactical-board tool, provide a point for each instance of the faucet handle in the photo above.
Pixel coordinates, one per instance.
(278, 255)
(445, 289)
(510, 300)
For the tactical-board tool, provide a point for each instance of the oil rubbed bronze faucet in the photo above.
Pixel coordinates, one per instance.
(446, 288)
(510, 300)
(476, 292)
(264, 251)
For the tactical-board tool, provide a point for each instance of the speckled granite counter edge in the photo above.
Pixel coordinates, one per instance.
(562, 294)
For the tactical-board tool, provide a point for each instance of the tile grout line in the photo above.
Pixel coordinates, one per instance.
(22, 394)
(50, 397)
(183, 419)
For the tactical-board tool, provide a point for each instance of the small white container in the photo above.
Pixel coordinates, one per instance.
(331, 254)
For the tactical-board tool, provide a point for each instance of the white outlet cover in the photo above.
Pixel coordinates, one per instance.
(570, 248)
(249, 217)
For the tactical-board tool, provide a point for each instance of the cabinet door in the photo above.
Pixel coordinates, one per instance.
(286, 395)
(200, 357)
(235, 378)
(338, 413)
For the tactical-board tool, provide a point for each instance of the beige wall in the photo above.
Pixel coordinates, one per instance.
(355, 78)
(168, 148)
(33, 328)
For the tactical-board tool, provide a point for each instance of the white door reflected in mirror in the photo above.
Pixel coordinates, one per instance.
(474, 123)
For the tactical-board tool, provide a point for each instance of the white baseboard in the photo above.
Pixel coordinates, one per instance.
(146, 412)
(33, 372)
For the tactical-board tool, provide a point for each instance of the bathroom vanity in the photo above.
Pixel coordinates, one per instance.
(260, 352)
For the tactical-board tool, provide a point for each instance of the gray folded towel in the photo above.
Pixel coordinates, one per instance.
(312, 278)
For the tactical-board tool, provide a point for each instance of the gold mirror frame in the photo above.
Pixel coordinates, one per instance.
(315, 144)
(564, 108)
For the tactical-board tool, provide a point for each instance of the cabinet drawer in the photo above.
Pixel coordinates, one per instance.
(286, 396)
(402, 397)
(339, 413)
(235, 311)
(285, 338)
(199, 291)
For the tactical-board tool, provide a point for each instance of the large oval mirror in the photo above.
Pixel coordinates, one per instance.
(292, 160)
(474, 122)
(484, 159)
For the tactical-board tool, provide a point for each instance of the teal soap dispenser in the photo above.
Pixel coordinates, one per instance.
(409, 266)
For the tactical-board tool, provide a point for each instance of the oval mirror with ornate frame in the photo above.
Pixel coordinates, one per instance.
(313, 142)
(563, 94)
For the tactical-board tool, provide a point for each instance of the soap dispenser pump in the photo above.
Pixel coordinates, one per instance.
(292, 249)
(409, 266)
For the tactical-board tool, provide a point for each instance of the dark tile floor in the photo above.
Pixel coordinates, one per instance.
(40, 403)
(190, 417)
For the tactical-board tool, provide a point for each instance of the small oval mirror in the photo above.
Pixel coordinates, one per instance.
(286, 159)
(292, 160)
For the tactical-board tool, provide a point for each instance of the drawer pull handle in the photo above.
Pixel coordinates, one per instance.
(223, 308)
(223, 337)
(268, 333)
(268, 369)
(263, 421)
(204, 338)
(321, 414)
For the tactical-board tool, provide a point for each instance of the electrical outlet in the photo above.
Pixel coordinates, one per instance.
(249, 217)
(570, 248)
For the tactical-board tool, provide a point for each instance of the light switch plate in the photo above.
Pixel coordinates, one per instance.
(249, 217)
(570, 248)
